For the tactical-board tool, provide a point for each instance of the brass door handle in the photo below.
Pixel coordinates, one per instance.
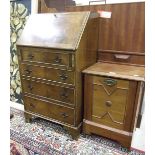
(108, 103)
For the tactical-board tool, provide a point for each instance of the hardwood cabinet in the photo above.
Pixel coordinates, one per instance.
(113, 94)
(52, 51)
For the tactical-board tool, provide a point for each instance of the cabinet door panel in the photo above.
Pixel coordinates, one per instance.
(109, 109)
(112, 101)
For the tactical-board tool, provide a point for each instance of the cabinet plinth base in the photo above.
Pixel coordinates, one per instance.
(28, 117)
(73, 131)
(123, 137)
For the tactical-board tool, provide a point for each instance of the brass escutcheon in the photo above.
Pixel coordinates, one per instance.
(110, 82)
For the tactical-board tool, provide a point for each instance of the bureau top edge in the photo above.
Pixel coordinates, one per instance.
(45, 47)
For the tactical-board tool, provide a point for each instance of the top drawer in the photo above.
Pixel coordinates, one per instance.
(122, 58)
(47, 56)
(110, 83)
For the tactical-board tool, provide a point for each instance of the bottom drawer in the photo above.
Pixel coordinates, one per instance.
(48, 109)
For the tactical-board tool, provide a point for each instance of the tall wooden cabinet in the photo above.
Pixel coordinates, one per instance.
(52, 51)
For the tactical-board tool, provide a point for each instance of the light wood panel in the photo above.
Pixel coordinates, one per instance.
(123, 33)
(125, 30)
(117, 70)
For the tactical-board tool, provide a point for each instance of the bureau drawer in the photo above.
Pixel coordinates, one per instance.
(48, 73)
(49, 91)
(48, 57)
(48, 109)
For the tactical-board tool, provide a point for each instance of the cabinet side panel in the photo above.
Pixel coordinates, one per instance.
(88, 90)
(130, 105)
(138, 102)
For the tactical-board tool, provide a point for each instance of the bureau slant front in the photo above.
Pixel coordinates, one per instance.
(53, 49)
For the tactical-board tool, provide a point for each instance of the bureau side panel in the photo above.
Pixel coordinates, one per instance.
(19, 48)
(85, 56)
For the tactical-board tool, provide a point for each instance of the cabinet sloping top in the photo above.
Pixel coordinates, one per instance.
(54, 30)
(117, 70)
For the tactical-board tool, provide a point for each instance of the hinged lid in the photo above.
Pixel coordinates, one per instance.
(54, 30)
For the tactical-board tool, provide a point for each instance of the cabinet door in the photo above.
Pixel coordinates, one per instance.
(112, 101)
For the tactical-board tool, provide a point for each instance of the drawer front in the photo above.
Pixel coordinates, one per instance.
(50, 110)
(110, 83)
(122, 58)
(48, 91)
(56, 75)
(110, 101)
(48, 57)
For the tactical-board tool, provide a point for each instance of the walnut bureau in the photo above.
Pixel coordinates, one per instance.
(53, 49)
(113, 95)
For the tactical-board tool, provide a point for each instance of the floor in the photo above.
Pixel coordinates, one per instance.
(138, 141)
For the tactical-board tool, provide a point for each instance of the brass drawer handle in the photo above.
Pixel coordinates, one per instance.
(121, 57)
(63, 95)
(64, 115)
(57, 60)
(30, 87)
(63, 76)
(32, 105)
(110, 82)
(28, 72)
(30, 56)
(108, 103)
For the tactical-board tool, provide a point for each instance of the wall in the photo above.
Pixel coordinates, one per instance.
(86, 2)
(34, 6)
(138, 140)
(19, 12)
